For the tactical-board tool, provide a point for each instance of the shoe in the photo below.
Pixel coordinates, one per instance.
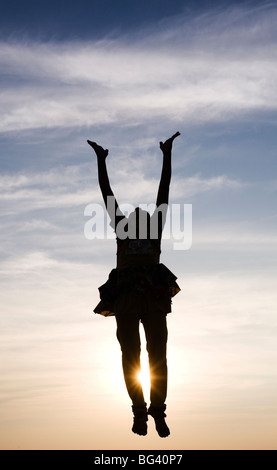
(140, 420)
(158, 413)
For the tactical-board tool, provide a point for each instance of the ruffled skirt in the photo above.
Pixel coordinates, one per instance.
(155, 280)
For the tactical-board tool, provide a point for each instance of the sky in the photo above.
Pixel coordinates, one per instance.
(128, 75)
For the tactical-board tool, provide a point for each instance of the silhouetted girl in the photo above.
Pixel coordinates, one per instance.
(140, 289)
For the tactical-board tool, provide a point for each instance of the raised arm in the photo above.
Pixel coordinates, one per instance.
(163, 191)
(104, 183)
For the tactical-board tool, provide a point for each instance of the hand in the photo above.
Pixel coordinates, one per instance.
(167, 145)
(100, 152)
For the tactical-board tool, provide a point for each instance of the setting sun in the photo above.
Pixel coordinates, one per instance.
(144, 376)
(144, 373)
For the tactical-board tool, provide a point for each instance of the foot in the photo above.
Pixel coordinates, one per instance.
(167, 145)
(100, 152)
(140, 420)
(157, 412)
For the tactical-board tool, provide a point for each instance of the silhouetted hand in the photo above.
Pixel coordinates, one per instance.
(167, 145)
(100, 152)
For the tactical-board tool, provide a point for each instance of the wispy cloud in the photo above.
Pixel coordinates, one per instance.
(188, 187)
(71, 186)
(217, 72)
(56, 188)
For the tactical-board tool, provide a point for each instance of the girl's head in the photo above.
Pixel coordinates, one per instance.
(139, 224)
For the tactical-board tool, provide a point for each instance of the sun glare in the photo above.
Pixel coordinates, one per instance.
(144, 376)
(144, 373)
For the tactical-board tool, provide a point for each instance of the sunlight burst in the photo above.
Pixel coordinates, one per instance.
(144, 376)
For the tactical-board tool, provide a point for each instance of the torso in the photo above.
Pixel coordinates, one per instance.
(134, 252)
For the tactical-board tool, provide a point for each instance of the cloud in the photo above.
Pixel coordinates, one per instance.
(189, 187)
(57, 188)
(237, 237)
(28, 262)
(217, 72)
(71, 186)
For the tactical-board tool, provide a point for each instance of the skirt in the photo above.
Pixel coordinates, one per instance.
(155, 280)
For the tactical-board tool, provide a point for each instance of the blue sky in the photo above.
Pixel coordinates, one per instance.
(129, 74)
(92, 19)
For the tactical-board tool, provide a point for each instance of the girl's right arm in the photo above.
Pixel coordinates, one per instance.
(104, 183)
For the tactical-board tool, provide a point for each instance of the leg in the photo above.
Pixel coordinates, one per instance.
(129, 339)
(156, 338)
(154, 323)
